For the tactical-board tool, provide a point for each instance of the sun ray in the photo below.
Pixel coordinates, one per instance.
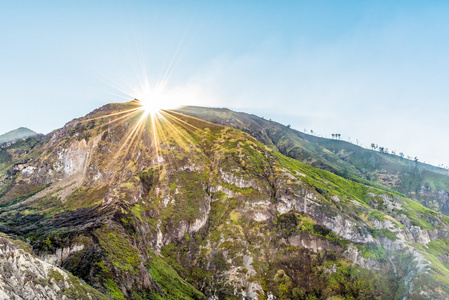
(177, 133)
(153, 127)
(189, 117)
(130, 136)
(155, 140)
(176, 119)
(122, 119)
(119, 89)
(160, 134)
(113, 114)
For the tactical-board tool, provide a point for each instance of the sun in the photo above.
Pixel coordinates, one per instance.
(150, 106)
(151, 98)
(158, 96)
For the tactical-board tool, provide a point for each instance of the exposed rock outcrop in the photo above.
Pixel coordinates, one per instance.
(24, 276)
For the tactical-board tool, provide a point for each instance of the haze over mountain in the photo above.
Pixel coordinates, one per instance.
(203, 203)
(19, 133)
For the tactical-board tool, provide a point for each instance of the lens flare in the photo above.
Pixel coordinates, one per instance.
(150, 107)
(152, 98)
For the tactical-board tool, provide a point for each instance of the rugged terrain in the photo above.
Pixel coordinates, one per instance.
(424, 183)
(125, 205)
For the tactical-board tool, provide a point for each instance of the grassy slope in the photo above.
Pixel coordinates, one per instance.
(342, 158)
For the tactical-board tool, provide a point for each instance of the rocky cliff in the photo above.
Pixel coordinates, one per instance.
(25, 276)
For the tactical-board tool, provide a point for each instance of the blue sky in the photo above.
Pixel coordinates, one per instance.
(375, 71)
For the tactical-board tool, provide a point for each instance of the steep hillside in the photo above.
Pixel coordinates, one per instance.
(17, 134)
(175, 207)
(24, 276)
(424, 183)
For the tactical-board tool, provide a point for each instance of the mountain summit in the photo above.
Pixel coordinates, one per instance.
(211, 204)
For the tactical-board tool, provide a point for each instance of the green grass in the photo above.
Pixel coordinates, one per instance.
(439, 247)
(384, 233)
(377, 215)
(172, 285)
(113, 290)
(85, 197)
(365, 195)
(373, 251)
(119, 249)
(23, 198)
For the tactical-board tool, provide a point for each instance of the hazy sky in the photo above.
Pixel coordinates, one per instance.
(376, 71)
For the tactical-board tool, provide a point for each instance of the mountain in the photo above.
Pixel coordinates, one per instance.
(173, 206)
(16, 134)
(424, 183)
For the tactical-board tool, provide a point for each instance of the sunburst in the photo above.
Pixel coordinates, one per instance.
(150, 123)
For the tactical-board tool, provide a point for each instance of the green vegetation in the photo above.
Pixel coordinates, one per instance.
(296, 222)
(377, 215)
(172, 285)
(85, 197)
(439, 247)
(113, 290)
(5, 157)
(373, 251)
(34, 190)
(384, 233)
(122, 254)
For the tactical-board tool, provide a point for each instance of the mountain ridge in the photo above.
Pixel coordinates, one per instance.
(421, 182)
(145, 208)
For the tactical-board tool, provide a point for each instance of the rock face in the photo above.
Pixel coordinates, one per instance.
(180, 208)
(24, 276)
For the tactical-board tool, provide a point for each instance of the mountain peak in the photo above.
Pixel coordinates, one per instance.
(17, 134)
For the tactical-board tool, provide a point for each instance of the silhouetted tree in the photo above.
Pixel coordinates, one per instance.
(289, 126)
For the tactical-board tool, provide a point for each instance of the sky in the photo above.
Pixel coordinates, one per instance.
(373, 71)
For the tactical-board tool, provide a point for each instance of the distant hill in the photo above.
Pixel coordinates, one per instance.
(16, 134)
